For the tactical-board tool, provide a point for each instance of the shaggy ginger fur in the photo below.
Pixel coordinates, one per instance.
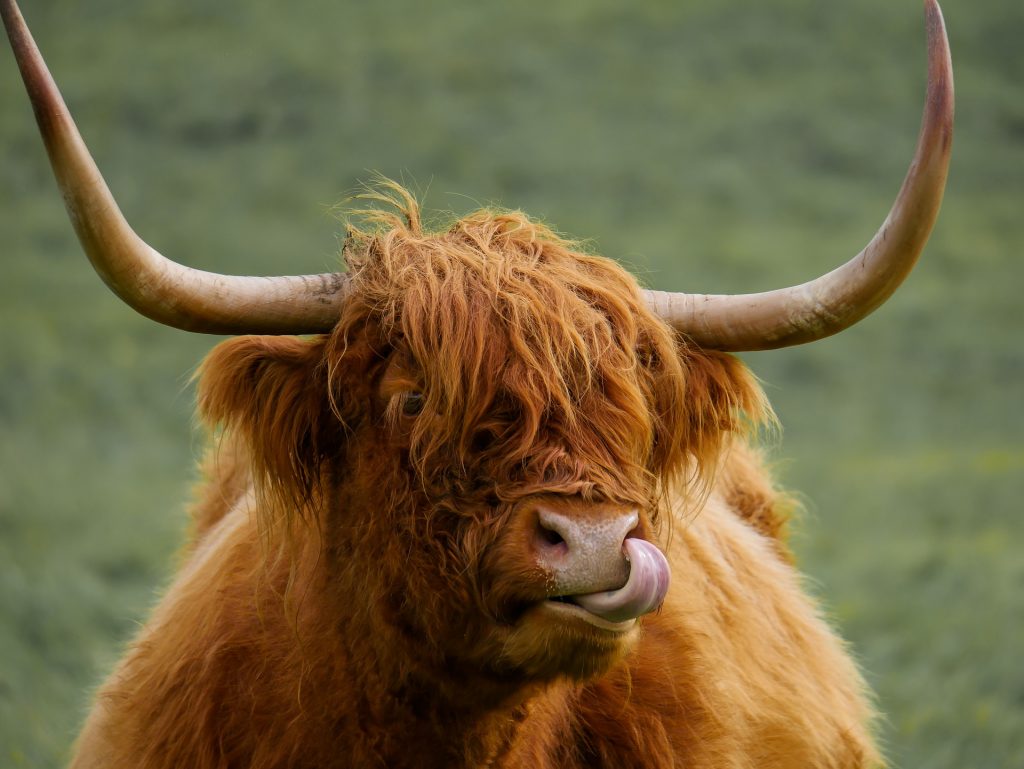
(359, 592)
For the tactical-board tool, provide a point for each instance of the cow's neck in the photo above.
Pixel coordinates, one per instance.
(411, 710)
(450, 726)
(411, 718)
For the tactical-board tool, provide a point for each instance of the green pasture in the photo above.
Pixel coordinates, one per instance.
(712, 145)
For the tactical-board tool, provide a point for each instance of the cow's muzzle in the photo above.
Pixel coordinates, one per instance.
(599, 565)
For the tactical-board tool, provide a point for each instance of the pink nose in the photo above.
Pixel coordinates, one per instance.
(583, 554)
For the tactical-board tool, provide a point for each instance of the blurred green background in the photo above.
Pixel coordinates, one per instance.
(712, 145)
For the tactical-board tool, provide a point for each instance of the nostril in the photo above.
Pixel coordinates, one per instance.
(550, 536)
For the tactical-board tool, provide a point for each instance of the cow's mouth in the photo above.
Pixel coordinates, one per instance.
(565, 609)
(618, 610)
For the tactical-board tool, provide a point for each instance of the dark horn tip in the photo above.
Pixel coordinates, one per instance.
(46, 101)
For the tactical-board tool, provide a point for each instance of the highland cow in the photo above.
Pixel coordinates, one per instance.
(441, 530)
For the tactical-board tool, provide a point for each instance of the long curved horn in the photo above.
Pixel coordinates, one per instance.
(155, 286)
(837, 300)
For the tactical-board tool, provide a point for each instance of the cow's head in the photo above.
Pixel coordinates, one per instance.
(491, 424)
(483, 432)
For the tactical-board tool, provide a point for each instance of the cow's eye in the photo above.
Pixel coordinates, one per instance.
(412, 403)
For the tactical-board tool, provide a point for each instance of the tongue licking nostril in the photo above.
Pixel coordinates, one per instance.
(643, 592)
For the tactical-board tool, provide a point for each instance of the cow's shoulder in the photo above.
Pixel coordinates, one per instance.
(225, 478)
(746, 486)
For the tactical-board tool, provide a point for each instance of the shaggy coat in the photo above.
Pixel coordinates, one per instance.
(357, 594)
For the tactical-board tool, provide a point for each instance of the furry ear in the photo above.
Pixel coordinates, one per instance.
(272, 391)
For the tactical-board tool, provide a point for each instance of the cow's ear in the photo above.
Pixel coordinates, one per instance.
(722, 399)
(272, 392)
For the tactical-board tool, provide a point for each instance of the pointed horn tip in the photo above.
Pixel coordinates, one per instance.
(940, 98)
(17, 30)
(47, 103)
(938, 44)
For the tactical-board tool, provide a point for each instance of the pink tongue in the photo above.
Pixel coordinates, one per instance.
(643, 592)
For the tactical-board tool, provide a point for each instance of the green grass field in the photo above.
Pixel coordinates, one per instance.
(713, 145)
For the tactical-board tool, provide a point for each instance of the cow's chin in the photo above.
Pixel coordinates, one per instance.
(553, 639)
